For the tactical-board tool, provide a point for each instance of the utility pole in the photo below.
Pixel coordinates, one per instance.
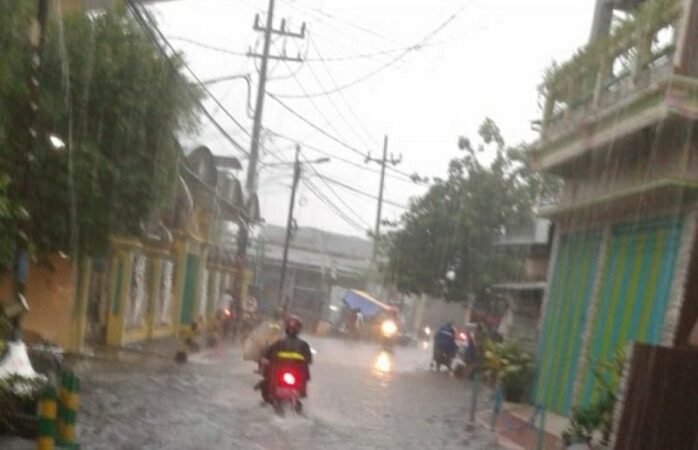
(384, 161)
(251, 178)
(268, 30)
(289, 226)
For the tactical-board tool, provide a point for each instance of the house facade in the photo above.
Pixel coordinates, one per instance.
(618, 128)
(524, 295)
(319, 262)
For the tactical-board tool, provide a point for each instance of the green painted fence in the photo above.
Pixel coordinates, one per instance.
(640, 265)
(565, 318)
(189, 292)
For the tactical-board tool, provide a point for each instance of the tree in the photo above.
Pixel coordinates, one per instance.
(118, 103)
(445, 244)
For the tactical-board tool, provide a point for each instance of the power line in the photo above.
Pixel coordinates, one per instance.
(413, 177)
(338, 212)
(312, 101)
(297, 5)
(334, 81)
(339, 197)
(207, 46)
(148, 27)
(388, 64)
(358, 191)
(338, 158)
(312, 125)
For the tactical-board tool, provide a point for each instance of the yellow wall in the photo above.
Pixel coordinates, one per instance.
(50, 294)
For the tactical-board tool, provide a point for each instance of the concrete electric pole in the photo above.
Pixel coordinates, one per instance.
(251, 178)
(384, 161)
(297, 166)
(289, 227)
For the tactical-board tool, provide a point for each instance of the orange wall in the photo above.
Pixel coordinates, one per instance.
(50, 296)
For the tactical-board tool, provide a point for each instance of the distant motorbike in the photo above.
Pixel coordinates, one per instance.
(284, 384)
(389, 332)
(443, 357)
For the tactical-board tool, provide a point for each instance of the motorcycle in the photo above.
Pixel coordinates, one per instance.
(442, 357)
(285, 383)
(389, 332)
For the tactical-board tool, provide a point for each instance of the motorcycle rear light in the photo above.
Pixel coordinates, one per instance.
(289, 378)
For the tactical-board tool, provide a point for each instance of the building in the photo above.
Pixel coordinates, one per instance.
(618, 127)
(149, 286)
(524, 296)
(319, 263)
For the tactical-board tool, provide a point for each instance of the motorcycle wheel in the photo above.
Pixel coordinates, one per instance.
(279, 408)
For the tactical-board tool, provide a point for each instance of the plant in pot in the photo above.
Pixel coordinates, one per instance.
(510, 367)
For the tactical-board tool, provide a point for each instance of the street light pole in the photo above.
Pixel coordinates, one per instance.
(289, 222)
(289, 225)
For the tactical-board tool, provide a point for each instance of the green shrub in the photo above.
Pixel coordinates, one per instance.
(19, 396)
(595, 421)
(509, 366)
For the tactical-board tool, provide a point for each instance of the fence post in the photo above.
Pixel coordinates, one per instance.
(540, 435)
(46, 439)
(497, 406)
(68, 408)
(473, 400)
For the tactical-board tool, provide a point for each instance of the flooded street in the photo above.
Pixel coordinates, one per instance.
(359, 398)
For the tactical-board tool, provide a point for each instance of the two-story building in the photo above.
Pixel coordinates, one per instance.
(524, 295)
(618, 127)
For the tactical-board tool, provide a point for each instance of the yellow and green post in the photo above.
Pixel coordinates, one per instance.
(48, 405)
(67, 411)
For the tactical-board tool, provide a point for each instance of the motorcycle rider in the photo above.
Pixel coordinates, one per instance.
(445, 342)
(291, 344)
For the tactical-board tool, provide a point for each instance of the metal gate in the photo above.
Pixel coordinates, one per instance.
(660, 408)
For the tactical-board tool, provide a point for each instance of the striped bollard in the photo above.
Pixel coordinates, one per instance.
(68, 409)
(47, 420)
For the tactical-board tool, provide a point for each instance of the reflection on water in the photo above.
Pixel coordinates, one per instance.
(383, 364)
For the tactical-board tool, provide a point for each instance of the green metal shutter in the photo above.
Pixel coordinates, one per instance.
(634, 291)
(566, 310)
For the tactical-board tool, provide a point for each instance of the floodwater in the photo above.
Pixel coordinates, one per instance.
(359, 398)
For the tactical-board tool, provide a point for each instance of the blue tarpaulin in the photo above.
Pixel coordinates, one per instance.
(368, 305)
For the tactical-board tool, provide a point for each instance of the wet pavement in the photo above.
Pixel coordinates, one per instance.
(359, 398)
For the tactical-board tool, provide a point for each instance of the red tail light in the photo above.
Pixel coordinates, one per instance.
(227, 312)
(288, 378)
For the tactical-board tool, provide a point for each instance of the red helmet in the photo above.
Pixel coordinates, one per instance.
(293, 325)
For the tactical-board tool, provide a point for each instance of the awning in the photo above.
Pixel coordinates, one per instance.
(368, 305)
(523, 286)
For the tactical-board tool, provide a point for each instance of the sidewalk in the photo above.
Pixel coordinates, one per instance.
(514, 430)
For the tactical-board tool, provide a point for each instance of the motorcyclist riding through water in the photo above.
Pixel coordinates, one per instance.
(291, 351)
(445, 346)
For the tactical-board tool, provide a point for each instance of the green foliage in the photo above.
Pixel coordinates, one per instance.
(511, 367)
(594, 421)
(453, 228)
(18, 395)
(577, 75)
(114, 99)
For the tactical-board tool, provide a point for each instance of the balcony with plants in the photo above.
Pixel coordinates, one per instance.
(616, 84)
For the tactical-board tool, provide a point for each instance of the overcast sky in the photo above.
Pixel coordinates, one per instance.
(482, 58)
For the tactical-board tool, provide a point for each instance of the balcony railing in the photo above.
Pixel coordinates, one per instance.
(637, 54)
